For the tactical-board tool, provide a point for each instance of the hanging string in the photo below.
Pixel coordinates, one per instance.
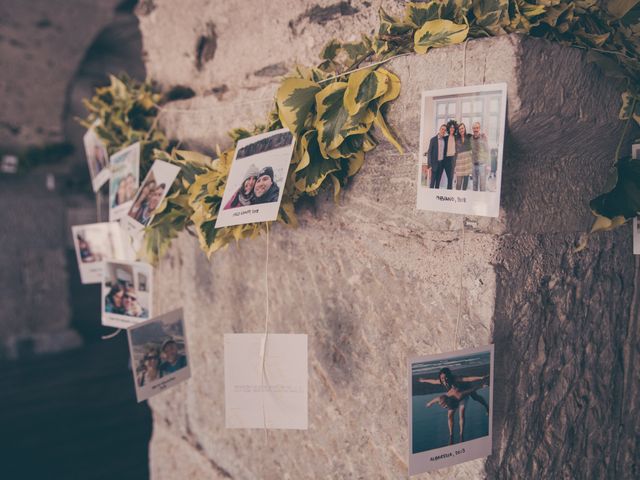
(365, 67)
(464, 218)
(263, 350)
(455, 332)
(111, 335)
(98, 207)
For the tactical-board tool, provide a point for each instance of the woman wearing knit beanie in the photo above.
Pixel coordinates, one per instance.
(244, 194)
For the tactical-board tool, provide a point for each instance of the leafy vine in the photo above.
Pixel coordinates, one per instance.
(333, 108)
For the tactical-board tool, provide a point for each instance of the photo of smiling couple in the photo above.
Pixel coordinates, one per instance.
(256, 179)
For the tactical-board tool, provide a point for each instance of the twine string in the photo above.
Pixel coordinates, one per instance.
(460, 284)
(263, 350)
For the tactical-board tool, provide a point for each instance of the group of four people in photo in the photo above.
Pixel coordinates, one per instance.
(462, 155)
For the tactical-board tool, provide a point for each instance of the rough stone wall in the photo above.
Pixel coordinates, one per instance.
(41, 46)
(380, 281)
(51, 55)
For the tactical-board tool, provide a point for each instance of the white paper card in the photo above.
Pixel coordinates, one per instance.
(125, 177)
(97, 158)
(454, 387)
(150, 194)
(126, 293)
(159, 354)
(256, 179)
(275, 397)
(96, 242)
(462, 176)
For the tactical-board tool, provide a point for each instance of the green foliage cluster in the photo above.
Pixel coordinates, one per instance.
(332, 108)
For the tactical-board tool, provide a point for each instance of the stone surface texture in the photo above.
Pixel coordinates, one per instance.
(41, 46)
(373, 281)
(52, 54)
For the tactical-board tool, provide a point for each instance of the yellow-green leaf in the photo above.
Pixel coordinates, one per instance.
(417, 14)
(295, 99)
(439, 33)
(362, 87)
(331, 116)
(384, 128)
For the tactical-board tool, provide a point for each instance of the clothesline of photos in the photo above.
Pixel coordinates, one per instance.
(315, 138)
(334, 107)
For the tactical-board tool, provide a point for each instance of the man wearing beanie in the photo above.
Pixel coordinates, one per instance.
(265, 190)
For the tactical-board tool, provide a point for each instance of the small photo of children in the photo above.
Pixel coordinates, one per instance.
(125, 171)
(256, 179)
(154, 188)
(461, 143)
(450, 408)
(97, 158)
(159, 354)
(126, 295)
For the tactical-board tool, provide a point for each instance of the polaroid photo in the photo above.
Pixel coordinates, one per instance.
(125, 177)
(450, 408)
(461, 147)
(96, 242)
(270, 393)
(150, 194)
(126, 293)
(97, 158)
(256, 179)
(159, 354)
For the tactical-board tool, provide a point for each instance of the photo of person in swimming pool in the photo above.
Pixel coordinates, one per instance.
(451, 406)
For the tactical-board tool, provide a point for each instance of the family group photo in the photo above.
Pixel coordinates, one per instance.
(158, 350)
(126, 290)
(461, 140)
(450, 400)
(257, 177)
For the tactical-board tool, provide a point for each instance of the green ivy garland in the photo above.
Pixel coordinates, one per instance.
(333, 107)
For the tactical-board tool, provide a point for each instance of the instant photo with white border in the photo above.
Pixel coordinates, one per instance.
(269, 393)
(427, 370)
(96, 242)
(482, 104)
(127, 293)
(153, 337)
(635, 154)
(243, 200)
(125, 173)
(95, 150)
(152, 191)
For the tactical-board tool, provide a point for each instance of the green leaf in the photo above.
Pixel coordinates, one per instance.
(417, 14)
(629, 103)
(362, 87)
(439, 33)
(311, 177)
(331, 116)
(490, 13)
(295, 99)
